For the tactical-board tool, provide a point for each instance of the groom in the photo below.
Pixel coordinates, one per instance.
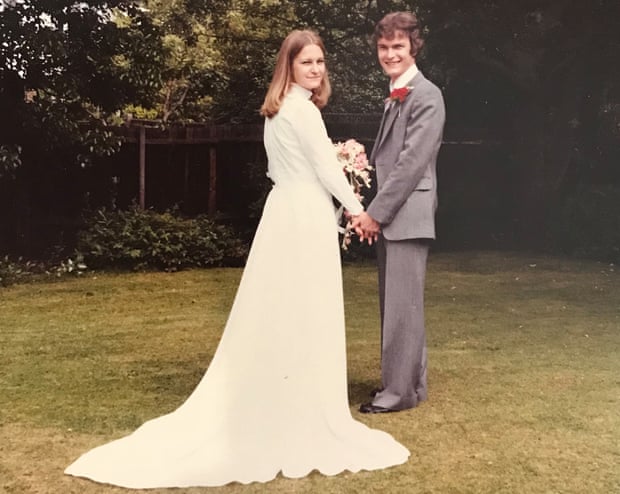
(401, 216)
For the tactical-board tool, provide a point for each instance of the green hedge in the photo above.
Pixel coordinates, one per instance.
(144, 239)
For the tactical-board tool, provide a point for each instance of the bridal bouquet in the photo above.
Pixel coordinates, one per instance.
(352, 156)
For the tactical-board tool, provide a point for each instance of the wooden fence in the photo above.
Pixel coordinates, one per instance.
(146, 133)
(220, 170)
(150, 135)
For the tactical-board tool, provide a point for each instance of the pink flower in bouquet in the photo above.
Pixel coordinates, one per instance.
(361, 161)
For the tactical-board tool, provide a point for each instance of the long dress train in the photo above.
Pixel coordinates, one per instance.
(274, 398)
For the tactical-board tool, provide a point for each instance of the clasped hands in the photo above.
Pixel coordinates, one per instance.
(366, 227)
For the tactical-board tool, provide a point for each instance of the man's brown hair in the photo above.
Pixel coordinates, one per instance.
(400, 21)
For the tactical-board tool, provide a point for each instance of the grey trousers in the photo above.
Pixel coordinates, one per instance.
(402, 272)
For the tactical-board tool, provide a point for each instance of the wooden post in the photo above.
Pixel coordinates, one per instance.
(186, 178)
(142, 146)
(189, 136)
(212, 180)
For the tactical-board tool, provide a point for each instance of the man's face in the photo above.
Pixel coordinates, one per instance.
(395, 54)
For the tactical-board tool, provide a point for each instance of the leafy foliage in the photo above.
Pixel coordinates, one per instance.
(19, 270)
(189, 72)
(143, 239)
(9, 159)
(67, 67)
(220, 54)
(345, 26)
(12, 271)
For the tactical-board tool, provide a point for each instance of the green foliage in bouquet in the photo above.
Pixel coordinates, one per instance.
(144, 239)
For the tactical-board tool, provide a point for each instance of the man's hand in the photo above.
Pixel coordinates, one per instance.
(366, 227)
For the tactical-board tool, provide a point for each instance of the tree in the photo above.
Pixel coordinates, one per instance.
(219, 56)
(222, 53)
(189, 76)
(249, 34)
(66, 69)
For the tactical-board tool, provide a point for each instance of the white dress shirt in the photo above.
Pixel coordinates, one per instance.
(404, 78)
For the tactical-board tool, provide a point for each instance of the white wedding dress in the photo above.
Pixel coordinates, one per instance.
(274, 398)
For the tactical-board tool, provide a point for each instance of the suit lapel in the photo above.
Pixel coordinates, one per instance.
(388, 121)
(379, 134)
(389, 117)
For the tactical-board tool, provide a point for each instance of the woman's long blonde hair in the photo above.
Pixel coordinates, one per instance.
(283, 73)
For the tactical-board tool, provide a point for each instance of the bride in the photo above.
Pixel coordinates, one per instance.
(274, 398)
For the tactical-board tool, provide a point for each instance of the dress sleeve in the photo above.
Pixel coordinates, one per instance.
(310, 129)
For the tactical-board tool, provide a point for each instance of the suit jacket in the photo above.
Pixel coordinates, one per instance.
(405, 159)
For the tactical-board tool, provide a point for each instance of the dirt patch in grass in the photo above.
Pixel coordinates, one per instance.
(33, 459)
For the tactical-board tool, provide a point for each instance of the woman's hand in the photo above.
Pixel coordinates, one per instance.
(366, 227)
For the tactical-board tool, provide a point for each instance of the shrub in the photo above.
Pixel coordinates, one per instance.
(12, 271)
(20, 270)
(143, 239)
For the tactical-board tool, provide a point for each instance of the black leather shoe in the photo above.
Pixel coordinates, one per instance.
(375, 391)
(370, 408)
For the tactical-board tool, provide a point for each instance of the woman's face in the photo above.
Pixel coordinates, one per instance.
(309, 67)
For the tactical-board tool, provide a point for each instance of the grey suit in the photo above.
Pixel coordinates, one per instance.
(405, 157)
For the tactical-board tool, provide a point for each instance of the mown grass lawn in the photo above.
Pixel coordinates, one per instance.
(524, 374)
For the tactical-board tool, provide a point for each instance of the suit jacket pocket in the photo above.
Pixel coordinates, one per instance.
(425, 183)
